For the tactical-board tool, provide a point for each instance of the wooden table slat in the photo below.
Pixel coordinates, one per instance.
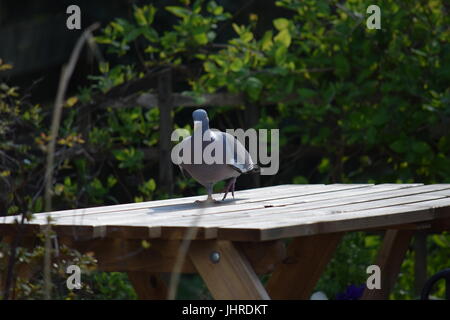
(384, 199)
(263, 213)
(81, 216)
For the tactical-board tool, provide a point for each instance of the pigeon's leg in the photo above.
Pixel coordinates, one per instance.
(209, 188)
(232, 187)
(209, 199)
(229, 187)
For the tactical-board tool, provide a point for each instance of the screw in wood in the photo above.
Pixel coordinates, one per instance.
(214, 257)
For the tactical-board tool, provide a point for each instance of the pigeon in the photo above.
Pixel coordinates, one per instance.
(229, 164)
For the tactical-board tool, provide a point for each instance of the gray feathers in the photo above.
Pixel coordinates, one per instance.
(228, 157)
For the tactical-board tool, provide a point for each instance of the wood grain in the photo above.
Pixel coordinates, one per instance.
(148, 285)
(390, 257)
(232, 277)
(257, 214)
(306, 260)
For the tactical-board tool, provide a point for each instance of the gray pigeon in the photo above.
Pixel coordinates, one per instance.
(233, 161)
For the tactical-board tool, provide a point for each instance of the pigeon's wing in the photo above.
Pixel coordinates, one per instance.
(237, 156)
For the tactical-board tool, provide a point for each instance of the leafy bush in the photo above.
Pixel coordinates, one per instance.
(352, 105)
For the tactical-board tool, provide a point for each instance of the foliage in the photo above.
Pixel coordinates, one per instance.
(110, 286)
(352, 257)
(438, 251)
(352, 105)
(28, 281)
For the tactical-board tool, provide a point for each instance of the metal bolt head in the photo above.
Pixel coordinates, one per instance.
(214, 257)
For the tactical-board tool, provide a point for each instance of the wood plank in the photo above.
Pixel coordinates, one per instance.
(232, 277)
(129, 255)
(306, 260)
(142, 219)
(257, 202)
(390, 257)
(239, 219)
(163, 215)
(440, 206)
(302, 204)
(338, 207)
(368, 219)
(239, 215)
(163, 206)
(212, 234)
(157, 203)
(420, 261)
(440, 224)
(145, 215)
(180, 201)
(264, 256)
(416, 226)
(148, 285)
(174, 233)
(82, 216)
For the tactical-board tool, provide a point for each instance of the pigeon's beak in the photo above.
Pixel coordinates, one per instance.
(197, 125)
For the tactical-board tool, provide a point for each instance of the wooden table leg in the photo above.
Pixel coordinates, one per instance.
(420, 261)
(226, 271)
(390, 258)
(148, 285)
(306, 260)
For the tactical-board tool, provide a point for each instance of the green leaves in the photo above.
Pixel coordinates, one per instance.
(421, 147)
(351, 106)
(324, 165)
(281, 55)
(236, 65)
(284, 38)
(144, 15)
(266, 41)
(253, 86)
(148, 188)
(179, 11)
(281, 24)
(406, 145)
(244, 33)
(342, 66)
(399, 146)
(213, 8)
(120, 32)
(306, 93)
(201, 38)
(129, 158)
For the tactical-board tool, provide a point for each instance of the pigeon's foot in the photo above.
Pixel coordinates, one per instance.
(207, 202)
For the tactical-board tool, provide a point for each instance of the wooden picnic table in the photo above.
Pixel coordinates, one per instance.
(236, 240)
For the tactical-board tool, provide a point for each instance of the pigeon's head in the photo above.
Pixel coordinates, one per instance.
(200, 117)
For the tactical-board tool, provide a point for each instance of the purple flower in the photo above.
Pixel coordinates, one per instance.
(352, 292)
